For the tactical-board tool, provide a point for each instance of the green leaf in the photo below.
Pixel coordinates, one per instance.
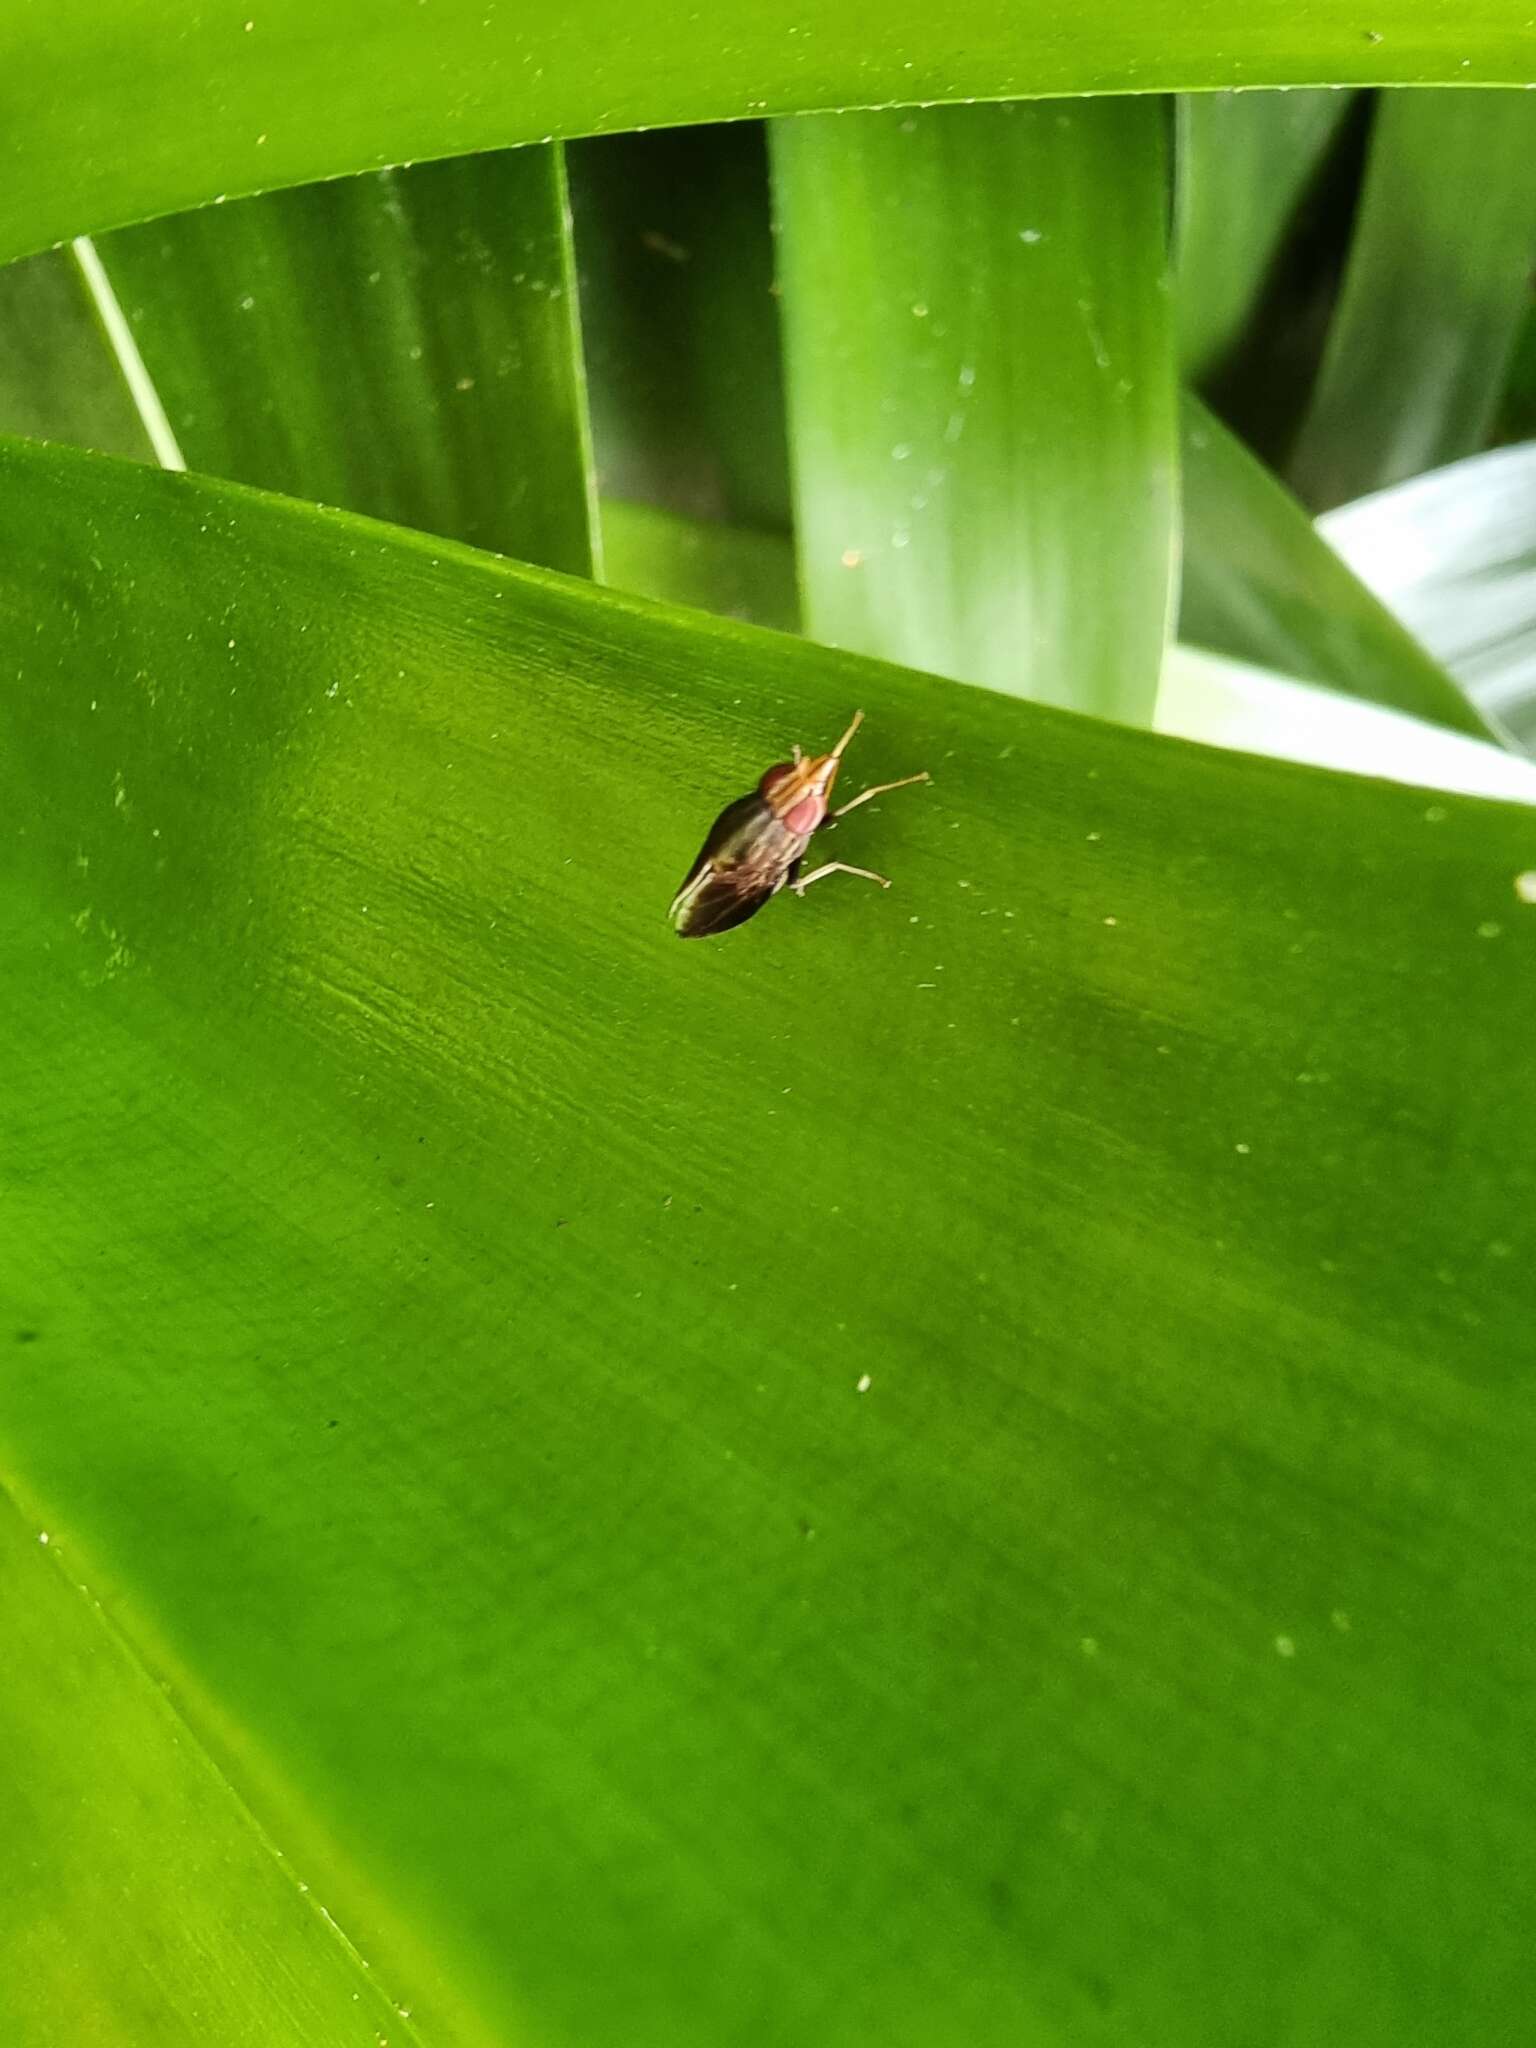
(1437, 285)
(404, 344)
(727, 569)
(59, 379)
(452, 1297)
(680, 324)
(106, 1805)
(1260, 583)
(1244, 162)
(981, 399)
(1454, 556)
(285, 95)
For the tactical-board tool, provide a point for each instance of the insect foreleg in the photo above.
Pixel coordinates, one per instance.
(880, 789)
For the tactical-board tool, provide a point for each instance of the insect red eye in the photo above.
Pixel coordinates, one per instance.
(776, 777)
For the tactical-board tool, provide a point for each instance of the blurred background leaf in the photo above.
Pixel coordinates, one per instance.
(1437, 287)
(405, 344)
(428, 1403)
(1244, 164)
(727, 569)
(59, 378)
(979, 355)
(680, 322)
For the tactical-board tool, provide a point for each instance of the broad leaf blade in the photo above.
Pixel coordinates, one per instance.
(669, 1686)
(1260, 583)
(285, 96)
(1243, 162)
(404, 344)
(1437, 285)
(980, 372)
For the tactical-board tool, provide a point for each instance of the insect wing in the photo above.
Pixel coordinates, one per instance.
(734, 875)
(721, 904)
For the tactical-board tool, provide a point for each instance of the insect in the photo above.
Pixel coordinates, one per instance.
(757, 844)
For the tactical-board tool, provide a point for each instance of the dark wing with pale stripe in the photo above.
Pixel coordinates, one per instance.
(741, 865)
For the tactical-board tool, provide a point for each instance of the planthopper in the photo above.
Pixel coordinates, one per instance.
(757, 845)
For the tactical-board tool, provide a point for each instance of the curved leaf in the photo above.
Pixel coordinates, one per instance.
(954, 1462)
(107, 117)
(1243, 162)
(979, 355)
(404, 344)
(1437, 285)
(1260, 583)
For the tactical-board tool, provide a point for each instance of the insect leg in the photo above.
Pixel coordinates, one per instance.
(880, 789)
(836, 867)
